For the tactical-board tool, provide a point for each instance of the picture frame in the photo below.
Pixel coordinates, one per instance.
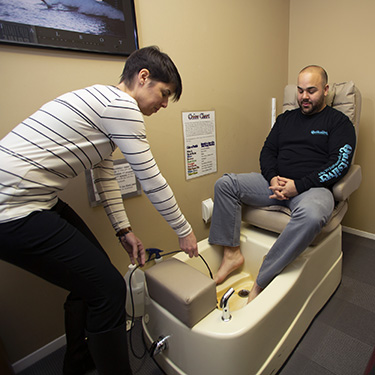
(99, 26)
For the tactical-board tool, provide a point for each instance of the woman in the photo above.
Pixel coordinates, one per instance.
(42, 234)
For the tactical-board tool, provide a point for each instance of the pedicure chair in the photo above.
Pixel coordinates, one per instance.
(196, 328)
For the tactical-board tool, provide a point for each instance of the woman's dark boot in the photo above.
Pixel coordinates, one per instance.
(77, 360)
(109, 350)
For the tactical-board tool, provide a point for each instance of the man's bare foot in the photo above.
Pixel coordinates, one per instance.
(254, 292)
(232, 260)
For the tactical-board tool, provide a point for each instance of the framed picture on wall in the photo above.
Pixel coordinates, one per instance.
(101, 26)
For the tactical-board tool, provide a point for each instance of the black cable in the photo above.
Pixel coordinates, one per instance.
(208, 267)
(132, 299)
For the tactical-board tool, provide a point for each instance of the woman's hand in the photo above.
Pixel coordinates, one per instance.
(134, 247)
(189, 245)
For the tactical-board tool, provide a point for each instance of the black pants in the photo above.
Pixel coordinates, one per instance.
(58, 246)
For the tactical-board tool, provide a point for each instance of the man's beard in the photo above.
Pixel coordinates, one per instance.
(313, 108)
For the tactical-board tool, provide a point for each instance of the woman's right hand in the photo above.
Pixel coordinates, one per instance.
(134, 247)
(188, 244)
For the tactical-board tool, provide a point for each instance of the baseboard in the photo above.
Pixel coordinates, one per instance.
(359, 233)
(32, 358)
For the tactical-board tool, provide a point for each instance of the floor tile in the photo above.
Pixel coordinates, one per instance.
(357, 292)
(342, 354)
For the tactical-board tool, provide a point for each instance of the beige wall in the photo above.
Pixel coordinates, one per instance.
(233, 57)
(340, 35)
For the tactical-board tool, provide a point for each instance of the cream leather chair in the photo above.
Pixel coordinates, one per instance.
(346, 98)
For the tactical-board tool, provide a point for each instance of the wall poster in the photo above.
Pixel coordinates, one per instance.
(200, 143)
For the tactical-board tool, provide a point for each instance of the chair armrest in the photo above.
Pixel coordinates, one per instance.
(348, 184)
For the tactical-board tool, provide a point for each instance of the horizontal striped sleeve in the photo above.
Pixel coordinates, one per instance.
(72, 133)
(123, 122)
(110, 194)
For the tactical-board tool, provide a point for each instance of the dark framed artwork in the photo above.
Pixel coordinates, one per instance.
(101, 26)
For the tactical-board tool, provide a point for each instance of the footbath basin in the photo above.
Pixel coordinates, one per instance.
(261, 334)
(242, 283)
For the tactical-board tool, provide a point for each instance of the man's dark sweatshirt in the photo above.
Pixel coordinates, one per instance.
(313, 150)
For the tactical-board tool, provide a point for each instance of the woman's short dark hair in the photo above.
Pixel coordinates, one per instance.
(159, 64)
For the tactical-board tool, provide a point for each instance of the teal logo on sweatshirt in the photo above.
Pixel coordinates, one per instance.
(319, 132)
(341, 165)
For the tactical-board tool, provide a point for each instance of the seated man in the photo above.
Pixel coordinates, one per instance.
(307, 151)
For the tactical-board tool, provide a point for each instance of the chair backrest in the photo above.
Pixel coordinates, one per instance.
(344, 97)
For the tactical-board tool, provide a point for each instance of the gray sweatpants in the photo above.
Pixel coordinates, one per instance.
(310, 212)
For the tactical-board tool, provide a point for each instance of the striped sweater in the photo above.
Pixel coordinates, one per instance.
(77, 131)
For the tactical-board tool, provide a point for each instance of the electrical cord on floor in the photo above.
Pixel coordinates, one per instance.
(132, 300)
